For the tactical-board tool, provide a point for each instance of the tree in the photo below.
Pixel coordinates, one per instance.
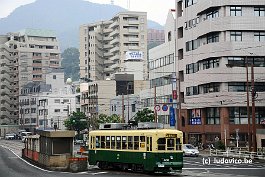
(145, 115)
(77, 122)
(103, 118)
(70, 63)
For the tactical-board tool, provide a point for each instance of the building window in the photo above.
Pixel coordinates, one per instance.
(212, 116)
(213, 14)
(242, 87)
(213, 37)
(235, 11)
(235, 36)
(169, 36)
(238, 115)
(259, 11)
(54, 76)
(211, 87)
(190, 2)
(133, 107)
(259, 36)
(57, 110)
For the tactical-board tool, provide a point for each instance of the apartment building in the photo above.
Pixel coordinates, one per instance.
(35, 52)
(47, 104)
(155, 36)
(8, 82)
(114, 46)
(215, 41)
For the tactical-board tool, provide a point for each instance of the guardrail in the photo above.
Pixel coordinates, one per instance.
(238, 154)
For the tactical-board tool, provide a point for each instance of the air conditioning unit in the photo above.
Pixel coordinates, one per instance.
(210, 89)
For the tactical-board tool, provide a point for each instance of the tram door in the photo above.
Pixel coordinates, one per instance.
(148, 151)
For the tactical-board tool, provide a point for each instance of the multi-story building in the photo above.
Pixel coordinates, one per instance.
(8, 82)
(47, 104)
(215, 41)
(116, 45)
(34, 53)
(162, 69)
(155, 36)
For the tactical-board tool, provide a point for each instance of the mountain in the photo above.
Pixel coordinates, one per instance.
(63, 16)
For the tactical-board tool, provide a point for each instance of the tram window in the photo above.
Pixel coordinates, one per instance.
(97, 141)
(113, 142)
(102, 138)
(118, 142)
(130, 144)
(142, 138)
(124, 143)
(170, 144)
(178, 144)
(136, 142)
(151, 141)
(161, 143)
(107, 142)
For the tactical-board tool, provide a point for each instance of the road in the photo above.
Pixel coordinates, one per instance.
(11, 165)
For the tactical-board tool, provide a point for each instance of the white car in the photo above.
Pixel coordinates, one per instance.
(190, 150)
(10, 136)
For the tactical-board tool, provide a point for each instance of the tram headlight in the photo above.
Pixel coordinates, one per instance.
(171, 157)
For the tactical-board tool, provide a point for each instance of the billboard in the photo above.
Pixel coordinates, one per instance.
(195, 118)
(134, 55)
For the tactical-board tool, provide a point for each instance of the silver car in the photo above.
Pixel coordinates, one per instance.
(10, 136)
(190, 150)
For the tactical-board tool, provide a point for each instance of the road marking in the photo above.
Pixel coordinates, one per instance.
(25, 160)
(98, 173)
(12, 157)
(222, 168)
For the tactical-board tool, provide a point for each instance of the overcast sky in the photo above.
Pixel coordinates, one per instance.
(156, 9)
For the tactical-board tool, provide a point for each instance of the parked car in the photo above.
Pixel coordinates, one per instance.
(10, 136)
(190, 150)
(78, 141)
(24, 135)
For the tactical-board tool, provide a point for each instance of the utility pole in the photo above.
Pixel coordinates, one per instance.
(249, 130)
(122, 108)
(254, 144)
(155, 104)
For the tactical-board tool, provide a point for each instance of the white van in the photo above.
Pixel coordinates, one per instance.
(24, 135)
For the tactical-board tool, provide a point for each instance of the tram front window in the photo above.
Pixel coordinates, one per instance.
(161, 143)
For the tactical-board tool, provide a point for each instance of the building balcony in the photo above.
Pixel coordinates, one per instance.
(114, 24)
(115, 40)
(114, 33)
(107, 38)
(133, 22)
(108, 69)
(115, 57)
(107, 30)
(107, 46)
(37, 57)
(108, 62)
(108, 54)
(114, 49)
(115, 66)
(37, 64)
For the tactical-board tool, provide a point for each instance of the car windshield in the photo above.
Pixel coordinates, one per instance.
(188, 146)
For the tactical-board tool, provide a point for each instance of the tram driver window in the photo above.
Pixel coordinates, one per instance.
(161, 143)
(170, 144)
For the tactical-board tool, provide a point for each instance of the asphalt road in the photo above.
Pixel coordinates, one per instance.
(11, 165)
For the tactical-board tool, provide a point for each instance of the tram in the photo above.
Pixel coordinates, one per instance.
(146, 150)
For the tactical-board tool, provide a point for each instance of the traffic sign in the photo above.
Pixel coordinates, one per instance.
(164, 107)
(157, 107)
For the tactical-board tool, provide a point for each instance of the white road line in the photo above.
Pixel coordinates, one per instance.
(98, 173)
(26, 161)
(222, 168)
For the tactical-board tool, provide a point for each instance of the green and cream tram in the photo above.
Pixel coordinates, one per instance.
(152, 150)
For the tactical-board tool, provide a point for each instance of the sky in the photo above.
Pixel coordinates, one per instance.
(156, 9)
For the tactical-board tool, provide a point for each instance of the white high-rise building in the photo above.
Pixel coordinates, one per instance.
(118, 45)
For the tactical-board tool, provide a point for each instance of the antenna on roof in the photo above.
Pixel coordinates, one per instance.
(128, 4)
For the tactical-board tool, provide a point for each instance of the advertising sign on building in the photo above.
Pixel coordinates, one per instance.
(195, 118)
(134, 55)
